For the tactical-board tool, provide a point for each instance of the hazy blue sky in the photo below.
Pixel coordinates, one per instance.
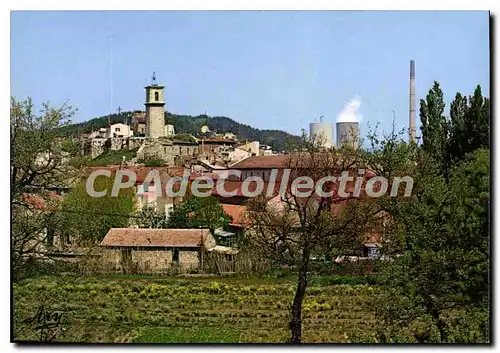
(276, 70)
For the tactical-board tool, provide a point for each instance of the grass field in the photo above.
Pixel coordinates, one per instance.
(113, 157)
(188, 310)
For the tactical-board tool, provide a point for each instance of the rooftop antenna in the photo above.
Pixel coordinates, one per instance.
(321, 118)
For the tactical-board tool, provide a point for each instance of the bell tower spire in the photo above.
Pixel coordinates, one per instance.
(155, 110)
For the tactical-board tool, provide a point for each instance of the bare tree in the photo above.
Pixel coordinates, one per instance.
(40, 164)
(302, 226)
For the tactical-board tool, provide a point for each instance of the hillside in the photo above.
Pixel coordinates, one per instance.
(192, 124)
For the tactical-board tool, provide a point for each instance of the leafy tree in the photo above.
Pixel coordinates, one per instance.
(196, 212)
(87, 219)
(150, 218)
(441, 236)
(435, 127)
(209, 214)
(470, 121)
(447, 141)
(39, 166)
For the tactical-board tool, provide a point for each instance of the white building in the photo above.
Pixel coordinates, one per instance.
(169, 130)
(119, 130)
(252, 147)
(229, 135)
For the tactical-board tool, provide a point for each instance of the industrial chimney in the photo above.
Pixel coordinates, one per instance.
(413, 126)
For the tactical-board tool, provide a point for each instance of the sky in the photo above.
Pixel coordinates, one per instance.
(268, 69)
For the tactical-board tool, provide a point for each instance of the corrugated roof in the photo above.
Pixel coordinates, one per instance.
(144, 237)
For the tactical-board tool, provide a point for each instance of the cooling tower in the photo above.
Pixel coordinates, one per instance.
(348, 132)
(322, 132)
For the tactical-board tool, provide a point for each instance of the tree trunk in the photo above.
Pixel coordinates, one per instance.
(296, 323)
(441, 325)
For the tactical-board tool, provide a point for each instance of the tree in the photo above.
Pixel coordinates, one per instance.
(302, 226)
(441, 236)
(89, 218)
(150, 218)
(447, 141)
(470, 124)
(39, 167)
(435, 127)
(196, 212)
(209, 214)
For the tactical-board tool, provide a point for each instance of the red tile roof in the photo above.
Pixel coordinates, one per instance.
(237, 212)
(144, 237)
(262, 162)
(231, 186)
(41, 203)
(142, 172)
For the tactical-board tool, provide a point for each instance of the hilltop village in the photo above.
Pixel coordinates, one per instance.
(155, 226)
(153, 140)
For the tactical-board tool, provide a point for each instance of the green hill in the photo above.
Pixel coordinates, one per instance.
(192, 124)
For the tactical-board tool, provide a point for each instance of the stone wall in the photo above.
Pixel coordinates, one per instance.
(97, 146)
(166, 150)
(148, 261)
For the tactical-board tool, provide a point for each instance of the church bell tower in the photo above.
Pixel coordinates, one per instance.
(155, 110)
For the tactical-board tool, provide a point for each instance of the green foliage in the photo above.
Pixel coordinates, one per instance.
(113, 157)
(188, 335)
(139, 309)
(155, 162)
(470, 124)
(199, 212)
(149, 218)
(435, 127)
(448, 140)
(87, 219)
(442, 237)
(184, 137)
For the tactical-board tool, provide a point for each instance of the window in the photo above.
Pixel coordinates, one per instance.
(117, 129)
(175, 256)
(157, 96)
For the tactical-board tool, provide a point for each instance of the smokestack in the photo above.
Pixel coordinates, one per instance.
(413, 126)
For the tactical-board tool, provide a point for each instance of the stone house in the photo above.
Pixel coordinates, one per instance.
(145, 250)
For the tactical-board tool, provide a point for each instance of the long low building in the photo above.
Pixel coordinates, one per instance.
(146, 250)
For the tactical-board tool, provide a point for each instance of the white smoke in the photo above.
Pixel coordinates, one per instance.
(350, 113)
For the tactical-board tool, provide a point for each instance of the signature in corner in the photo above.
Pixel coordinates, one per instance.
(44, 319)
